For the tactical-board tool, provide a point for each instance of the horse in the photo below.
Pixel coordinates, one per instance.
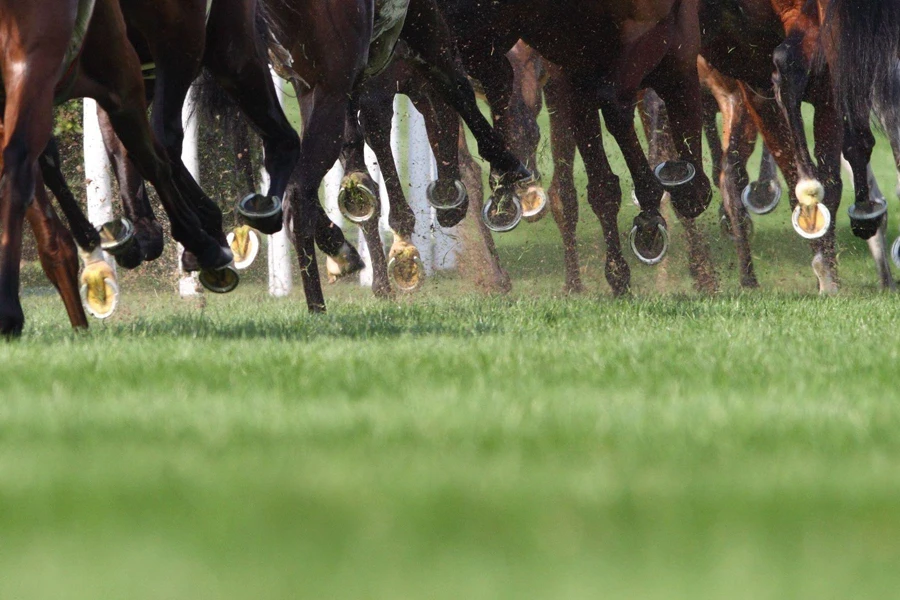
(326, 49)
(53, 50)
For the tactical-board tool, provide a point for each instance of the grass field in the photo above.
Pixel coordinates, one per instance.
(452, 445)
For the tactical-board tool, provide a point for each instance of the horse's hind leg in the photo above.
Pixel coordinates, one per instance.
(563, 196)
(133, 191)
(58, 254)
(356, 174)
(236, 58)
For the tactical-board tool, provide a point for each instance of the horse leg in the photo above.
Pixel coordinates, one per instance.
(28, 118)
(563, 196)
(427, 35)
(148, 232)
(734, 178)
(827, 130)
(236, 58)
(58, 254)
(791, 78)
(405, 266)
(604, 193)
(868, 210)
(324, 114)
(86, 236)
(356, 176)
(877, 243)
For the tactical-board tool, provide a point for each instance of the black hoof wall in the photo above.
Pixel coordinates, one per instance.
(263, 213)
(866, 217)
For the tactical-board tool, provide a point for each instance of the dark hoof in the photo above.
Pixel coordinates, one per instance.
(116, 236)
(220, 281)
(244, 244)
(131, 258)
(649, 238)
(618, 276)
(502, 214)
(811, 222)
(446, 194)
(149, 236)
(263, 213)
(189, 263)
(215, 258)
(761, 197)
(358, 198)
(725, 225)
(866, 217)
(675, 173)
(12, 320)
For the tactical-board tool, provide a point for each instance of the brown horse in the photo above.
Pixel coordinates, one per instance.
(60, 49)
(326, 49)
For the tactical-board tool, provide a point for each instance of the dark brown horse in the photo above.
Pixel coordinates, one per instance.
(59, 49)
(326, 49)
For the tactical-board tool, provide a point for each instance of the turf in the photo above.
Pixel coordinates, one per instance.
(453, 445)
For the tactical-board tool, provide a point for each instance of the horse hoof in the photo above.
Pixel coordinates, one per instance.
(263, 213)
(675, 173)
(220, 281)
(99, 290)
(358, 197)
(811, 221)
(244, 243)
(406, 269)
(534, 203)
(725, 225)
(866, 217)
(343, 264)
(761, 197)
(895, 252)
(502, 214)
(446, 194)
(649, 242)
(116, 236)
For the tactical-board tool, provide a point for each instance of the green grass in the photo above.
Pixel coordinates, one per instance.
(452, 445)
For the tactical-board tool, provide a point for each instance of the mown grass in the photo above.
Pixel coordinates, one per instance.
(454, 445)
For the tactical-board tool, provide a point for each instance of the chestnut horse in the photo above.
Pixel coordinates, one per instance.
(60, 49)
